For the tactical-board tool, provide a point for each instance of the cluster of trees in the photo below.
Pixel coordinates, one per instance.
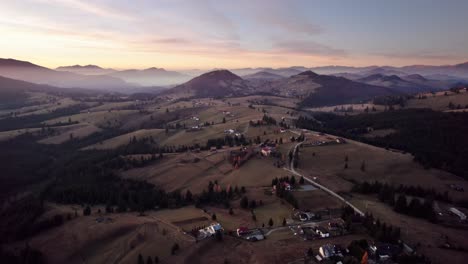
(149, 260)
(245, 203)
(452, 106)
(380, 231)
(396, 197)
(291, 180)
(266, 120)
(218, 195)
(35, 120)
(282, 193)
(227, 140)
(26, 255)
(386, 191)
(436, 139)
(391, 100)
(124, 194)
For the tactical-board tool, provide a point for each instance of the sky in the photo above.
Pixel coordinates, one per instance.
(203, 34)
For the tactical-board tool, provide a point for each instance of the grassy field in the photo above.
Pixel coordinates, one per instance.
(7, 135)
(83, 239)
(157, 134)
(439, 101)
(316, 200)
(64, 133)
(380, 165)
(99, 119)
(178, 172)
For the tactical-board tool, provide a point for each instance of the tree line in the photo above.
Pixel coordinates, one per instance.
(397, 198)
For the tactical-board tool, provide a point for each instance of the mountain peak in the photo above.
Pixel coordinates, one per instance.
(77, 66)
(309, 73)
(417, 77)
(16, 63)
(220, 75)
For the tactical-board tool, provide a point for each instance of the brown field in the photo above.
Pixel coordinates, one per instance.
(99, 119)
(157, 134)
(280, 247)
(380, 165)
(357, 108)
(439, 101)
(65, 132)
(82, 239)
(178, 172)
(7, 135)
(316, 200)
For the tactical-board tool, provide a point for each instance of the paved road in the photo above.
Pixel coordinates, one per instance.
(293, 170)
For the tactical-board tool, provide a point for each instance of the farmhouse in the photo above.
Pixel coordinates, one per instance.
(329, 250)
(322, 232)
(306, 216)
(267, 151)
(210, 230)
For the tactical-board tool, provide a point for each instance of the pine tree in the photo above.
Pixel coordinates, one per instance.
(270, 222)
(174, 248)
(244, 203)
(149, 260)
(284, 221)
(87, 210)
(140, 259)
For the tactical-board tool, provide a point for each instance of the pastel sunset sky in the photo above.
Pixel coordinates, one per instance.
(204, 34)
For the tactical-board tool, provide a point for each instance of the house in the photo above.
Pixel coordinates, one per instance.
(385, 251)
(306, 216)
(322, 232)
(340, 140)
(267, 150)
(210, 230)
(329, 250)
(229, 131)
(242, 230)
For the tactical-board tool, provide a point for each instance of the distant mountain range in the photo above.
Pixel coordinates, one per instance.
(86, 70)
(147, 77)
(15, 91)
(26, 71)
(151, 76)
(316, 86)
(313, 89)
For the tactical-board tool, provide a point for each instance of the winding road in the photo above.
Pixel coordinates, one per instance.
(293, 171)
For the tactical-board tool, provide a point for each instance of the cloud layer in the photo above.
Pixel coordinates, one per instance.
(193, 34)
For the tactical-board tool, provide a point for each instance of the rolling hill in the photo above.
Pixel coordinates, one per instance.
(220, 83)
(413, 83)
(262, 75)
(323, 90)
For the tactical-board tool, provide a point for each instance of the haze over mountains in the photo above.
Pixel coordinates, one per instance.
(312, 85)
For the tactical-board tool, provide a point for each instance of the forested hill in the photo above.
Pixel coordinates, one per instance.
(436, 139)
